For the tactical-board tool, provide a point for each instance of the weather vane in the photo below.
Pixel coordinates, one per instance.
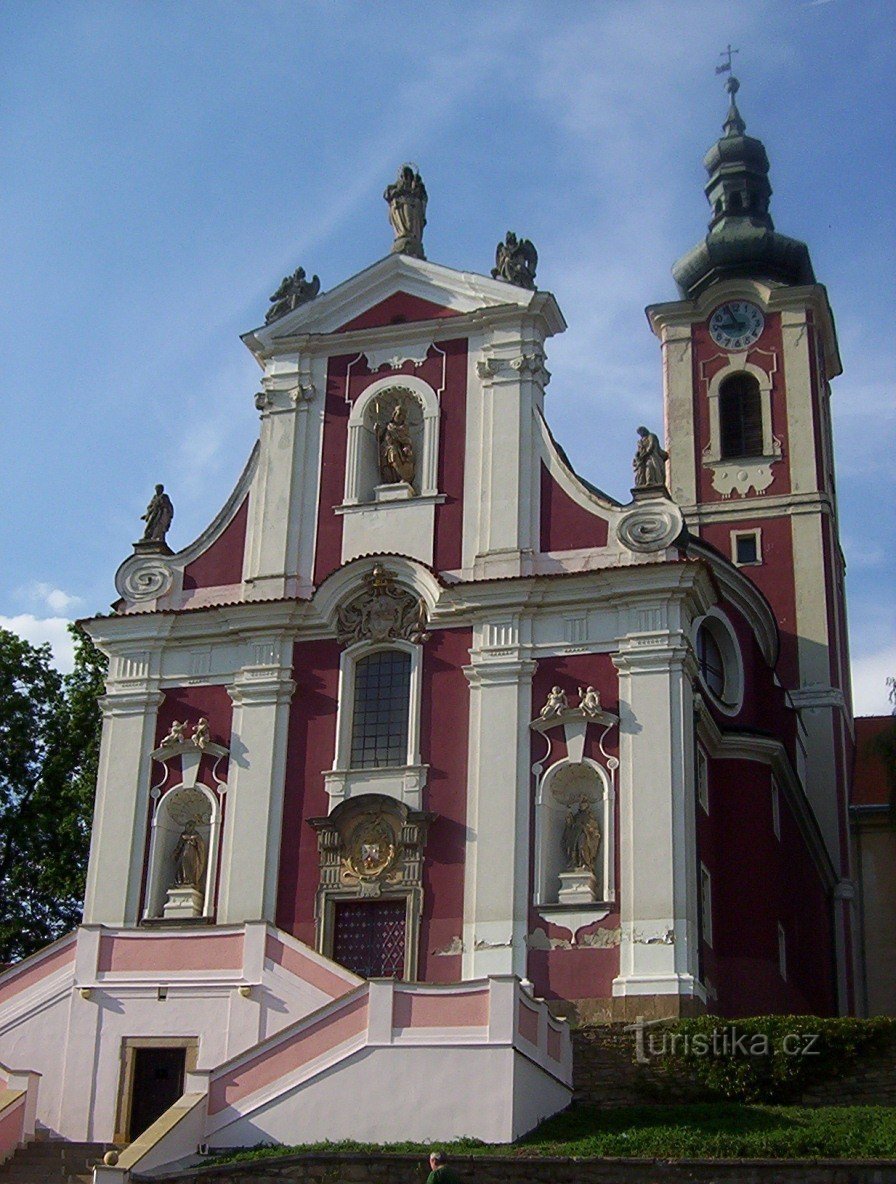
(726, 66)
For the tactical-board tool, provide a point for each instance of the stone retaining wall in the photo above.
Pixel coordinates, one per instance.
(345, 1168)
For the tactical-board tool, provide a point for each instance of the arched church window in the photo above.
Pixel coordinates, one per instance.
(740, 416)
(381, 710)
(719, 664)
(710, 662)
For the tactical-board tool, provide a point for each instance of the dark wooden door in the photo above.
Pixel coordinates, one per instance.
(369, 937)
(158, 1083)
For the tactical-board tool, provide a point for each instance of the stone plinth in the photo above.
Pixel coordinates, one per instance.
(183, 902)
(399, 491)
(578, 886)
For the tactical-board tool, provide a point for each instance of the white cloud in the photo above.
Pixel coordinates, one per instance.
(37, 630)
(47, 596)
(869, 681)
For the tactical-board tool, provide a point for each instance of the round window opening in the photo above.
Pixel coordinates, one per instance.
(717, 662)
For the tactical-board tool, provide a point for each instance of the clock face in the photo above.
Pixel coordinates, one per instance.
(736, 324)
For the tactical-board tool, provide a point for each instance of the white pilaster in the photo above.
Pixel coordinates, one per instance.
(496, 870)
(658, 871)
(261, 695)
(115, 871)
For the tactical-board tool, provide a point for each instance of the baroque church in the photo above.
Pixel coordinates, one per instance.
(427, 746)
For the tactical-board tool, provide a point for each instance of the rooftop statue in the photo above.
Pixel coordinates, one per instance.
(407, 212)
(516, 261)
(650, 461)
(158, 516)
(293, 291)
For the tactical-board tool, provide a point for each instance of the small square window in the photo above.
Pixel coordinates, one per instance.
(782, 952)
(746, 549)
(706, 904)
(702, 779)
(776, 809)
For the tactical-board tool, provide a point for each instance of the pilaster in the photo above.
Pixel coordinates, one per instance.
(118, 838)
(496, 869)
(261, 694)
(659, 955)
(279, 554)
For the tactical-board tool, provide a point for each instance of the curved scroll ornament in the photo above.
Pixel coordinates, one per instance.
(650, 526)
(144, 577)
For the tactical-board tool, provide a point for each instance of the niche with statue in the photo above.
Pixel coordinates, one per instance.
(185, 828)
(574, 882)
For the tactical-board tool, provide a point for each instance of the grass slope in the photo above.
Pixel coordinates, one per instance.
(726, 1130)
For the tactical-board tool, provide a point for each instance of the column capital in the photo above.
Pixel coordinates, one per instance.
(500, 672)
(261, 689)
(133, 701)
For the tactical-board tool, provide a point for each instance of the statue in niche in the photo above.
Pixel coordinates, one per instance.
(516, 261)
(556, 704)
(589, 704)
(201, 735)
(294, 290)
(407, 200)
(158, 516)
(650, 461)
(397, 461)
(189, 858)
(581, 837)
(175, 735)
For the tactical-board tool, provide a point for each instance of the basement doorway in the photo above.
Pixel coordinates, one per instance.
(152, 1080)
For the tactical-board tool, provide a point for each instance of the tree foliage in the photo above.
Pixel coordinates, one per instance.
(49, 746)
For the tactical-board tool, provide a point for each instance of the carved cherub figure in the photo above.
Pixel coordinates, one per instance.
(589, 701)
(175, 735)
(201, 735)
(556, 704)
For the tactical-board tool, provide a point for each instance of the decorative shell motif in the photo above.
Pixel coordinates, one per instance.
(382, 612)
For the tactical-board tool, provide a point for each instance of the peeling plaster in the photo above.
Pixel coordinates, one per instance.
(601, 939)
(455, 946)
(666, 938)
(482, 944)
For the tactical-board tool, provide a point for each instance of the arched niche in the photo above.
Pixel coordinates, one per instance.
(562, 791)
(369, 414)
(179, 807)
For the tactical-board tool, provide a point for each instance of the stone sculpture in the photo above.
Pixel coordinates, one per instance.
(201, 735)
(294, 290)
(175, 735)
(383, 611)
(516, 261)
(650, 461)
(189, 858)
(407, 212)
(397, 460)
(556, 704)
(158, 516)
(589, 703)
(581, 837)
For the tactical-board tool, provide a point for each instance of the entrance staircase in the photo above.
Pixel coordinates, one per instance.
(53, 1161)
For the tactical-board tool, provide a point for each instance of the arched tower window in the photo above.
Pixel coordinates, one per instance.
(381, 710)
(740, 416)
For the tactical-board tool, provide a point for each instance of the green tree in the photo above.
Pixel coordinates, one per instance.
(49, 745)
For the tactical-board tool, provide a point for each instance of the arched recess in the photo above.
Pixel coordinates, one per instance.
(373, 407)
(561, 791)
(771, 447)
(180, 805)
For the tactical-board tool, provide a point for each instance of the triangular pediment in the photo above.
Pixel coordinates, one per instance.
(393, 290)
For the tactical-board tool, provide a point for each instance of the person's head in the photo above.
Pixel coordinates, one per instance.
(437, 1159)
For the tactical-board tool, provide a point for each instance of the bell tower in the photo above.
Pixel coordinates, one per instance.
(748, 354)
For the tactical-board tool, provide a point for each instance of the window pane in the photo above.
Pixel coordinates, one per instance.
(709, 658)
(740, 413)
(380, 715)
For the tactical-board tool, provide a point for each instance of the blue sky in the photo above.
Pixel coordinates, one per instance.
(166, 163)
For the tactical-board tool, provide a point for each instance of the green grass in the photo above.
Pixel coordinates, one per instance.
(726, 1130)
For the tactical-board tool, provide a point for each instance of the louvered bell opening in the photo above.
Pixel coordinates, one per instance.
(740, 413)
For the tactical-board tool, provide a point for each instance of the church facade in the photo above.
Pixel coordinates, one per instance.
(427, 745)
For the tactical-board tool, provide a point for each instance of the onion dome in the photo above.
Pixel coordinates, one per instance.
(742, 240)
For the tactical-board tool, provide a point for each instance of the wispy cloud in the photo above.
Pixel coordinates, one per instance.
(38, 630)
(869, 681)
(51, 597)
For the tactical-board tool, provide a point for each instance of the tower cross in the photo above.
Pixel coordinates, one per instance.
(729, 53)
